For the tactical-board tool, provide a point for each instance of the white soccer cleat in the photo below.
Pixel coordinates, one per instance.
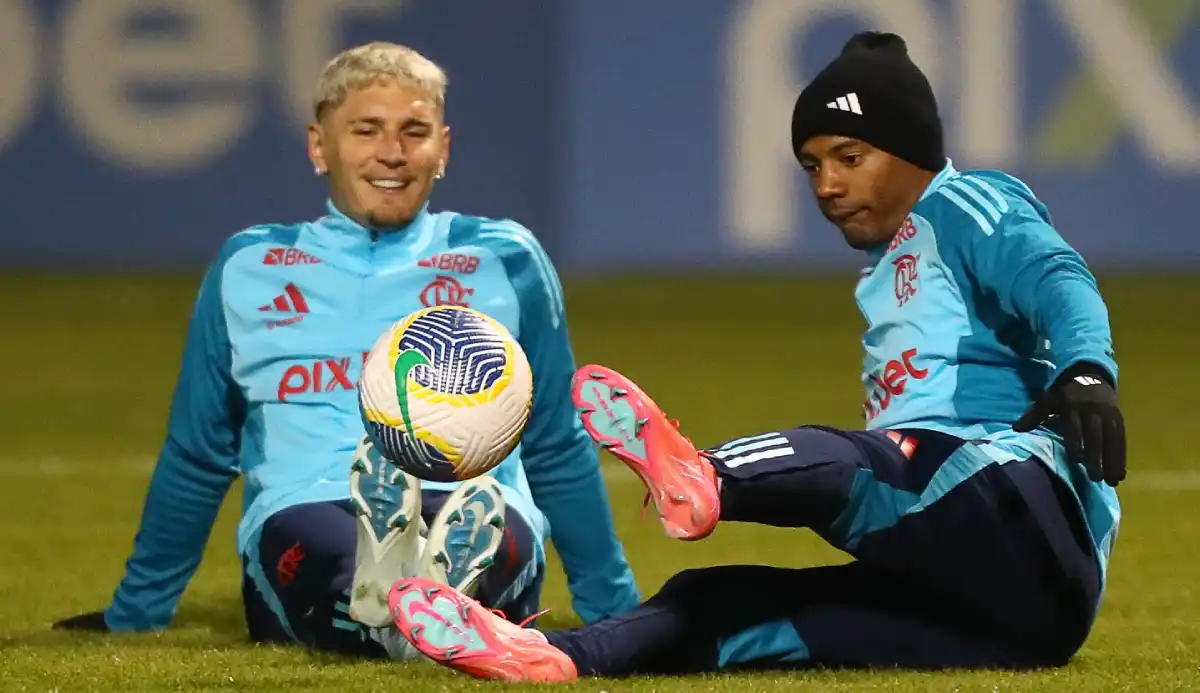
(387, 507)
(465, 535)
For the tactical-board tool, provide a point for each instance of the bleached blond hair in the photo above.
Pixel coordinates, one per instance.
(374, 63)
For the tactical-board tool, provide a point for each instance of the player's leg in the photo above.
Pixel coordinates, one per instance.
(483, 547)
(298, 578)
(803, 477)
(705, 620)
(1005, 579)
(466, 531)
(799, 478)
(624, 420)
(841, 484)
(948, 514)
(998, 536)
(992, 567)
(729, 617)
(321, 572)
(388, 544)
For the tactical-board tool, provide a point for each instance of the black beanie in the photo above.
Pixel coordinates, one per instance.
(875, 93)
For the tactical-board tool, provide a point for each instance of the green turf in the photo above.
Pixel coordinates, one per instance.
(89, 368)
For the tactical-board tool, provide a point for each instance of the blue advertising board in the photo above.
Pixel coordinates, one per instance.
(627, 134)
(139, 133)
(684, 117)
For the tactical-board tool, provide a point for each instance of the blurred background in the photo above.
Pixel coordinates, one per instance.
(647, 144)
(650, 136)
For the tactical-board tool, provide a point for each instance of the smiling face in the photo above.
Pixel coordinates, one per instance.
(863, 190)
(383, 147)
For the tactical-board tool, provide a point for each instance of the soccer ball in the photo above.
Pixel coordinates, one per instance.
(445, 393)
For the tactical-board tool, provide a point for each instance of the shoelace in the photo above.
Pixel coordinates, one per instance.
(524, 623)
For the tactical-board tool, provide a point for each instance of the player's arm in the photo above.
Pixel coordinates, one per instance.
(1039, 278)
(195, 468)
(560, 459)
(1035, 275)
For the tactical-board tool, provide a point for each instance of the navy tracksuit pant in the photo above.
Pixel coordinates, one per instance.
(996, 570)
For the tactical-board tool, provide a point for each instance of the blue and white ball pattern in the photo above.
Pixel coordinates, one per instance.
(445, 393)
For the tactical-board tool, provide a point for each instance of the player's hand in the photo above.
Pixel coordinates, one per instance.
(90, 622)
(1083, 405)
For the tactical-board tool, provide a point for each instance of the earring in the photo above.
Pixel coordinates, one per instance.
(441, 171)
(319, 171)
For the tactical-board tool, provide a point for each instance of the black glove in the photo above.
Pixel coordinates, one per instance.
(93, 622)
(1083, 405)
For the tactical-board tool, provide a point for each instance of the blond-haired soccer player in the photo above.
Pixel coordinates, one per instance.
(266, 392)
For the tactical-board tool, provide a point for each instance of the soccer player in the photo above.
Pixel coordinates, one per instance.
(979, 503)
(277, 338)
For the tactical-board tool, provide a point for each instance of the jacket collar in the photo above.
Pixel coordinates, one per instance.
(948, 171)
(338, 232)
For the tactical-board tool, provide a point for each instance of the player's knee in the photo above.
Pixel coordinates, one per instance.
(515, 566)
(1061, 650)
(700, 584)
(516, 551)
(1053, 648)
(684, 582)
(688, 590)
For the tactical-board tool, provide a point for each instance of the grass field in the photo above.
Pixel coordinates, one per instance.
(91, 363)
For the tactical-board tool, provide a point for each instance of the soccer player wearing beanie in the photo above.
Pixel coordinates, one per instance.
(979, 501)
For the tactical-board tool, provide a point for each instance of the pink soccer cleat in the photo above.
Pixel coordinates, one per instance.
(458, 632)
(625, 421)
